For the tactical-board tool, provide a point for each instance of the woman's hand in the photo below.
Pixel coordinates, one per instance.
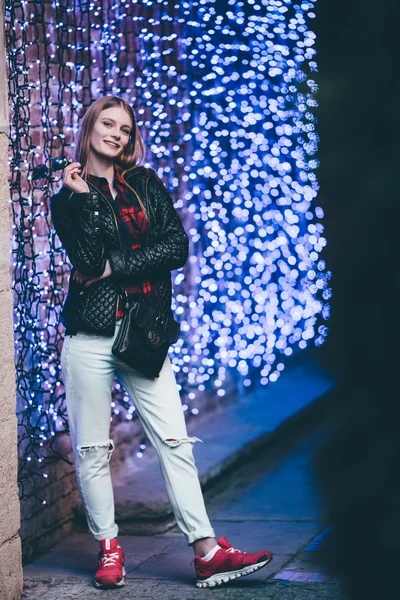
(86, 280)
(72, 180)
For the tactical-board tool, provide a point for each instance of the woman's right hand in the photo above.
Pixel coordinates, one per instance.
(73, 181)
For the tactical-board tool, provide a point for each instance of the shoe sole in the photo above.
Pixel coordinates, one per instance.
(225, 577)
(109, 586)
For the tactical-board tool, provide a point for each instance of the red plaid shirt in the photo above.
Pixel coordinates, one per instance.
(132, 227)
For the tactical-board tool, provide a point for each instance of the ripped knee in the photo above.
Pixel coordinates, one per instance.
(173, 443)
(82, 450)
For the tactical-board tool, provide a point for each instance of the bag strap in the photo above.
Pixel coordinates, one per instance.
(125, 296)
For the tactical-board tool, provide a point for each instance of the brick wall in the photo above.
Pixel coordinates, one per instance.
(43, 526)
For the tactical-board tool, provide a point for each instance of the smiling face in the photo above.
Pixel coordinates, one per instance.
(111, 132)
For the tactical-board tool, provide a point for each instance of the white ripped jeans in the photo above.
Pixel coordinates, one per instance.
(88, 368)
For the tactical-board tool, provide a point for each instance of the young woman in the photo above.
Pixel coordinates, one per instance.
(117, 222)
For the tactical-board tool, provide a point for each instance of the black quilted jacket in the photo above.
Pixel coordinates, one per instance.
(87, 228)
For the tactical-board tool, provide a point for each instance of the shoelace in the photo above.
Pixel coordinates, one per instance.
(109, 559)
(232, 550)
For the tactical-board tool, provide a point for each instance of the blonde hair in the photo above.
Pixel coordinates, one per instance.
(134, 152)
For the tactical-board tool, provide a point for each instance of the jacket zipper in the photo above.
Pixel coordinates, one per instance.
(147, 241)
(116, 227)
(148, 209)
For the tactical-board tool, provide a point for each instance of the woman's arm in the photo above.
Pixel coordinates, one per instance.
(170, 250)
(76, 220)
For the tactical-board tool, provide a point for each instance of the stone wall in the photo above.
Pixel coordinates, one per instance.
(10, 543)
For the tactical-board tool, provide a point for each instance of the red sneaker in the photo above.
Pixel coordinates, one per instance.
(228, 563)
(110, 570)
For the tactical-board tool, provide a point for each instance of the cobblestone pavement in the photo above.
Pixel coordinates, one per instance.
(269, 503)
(173, 590)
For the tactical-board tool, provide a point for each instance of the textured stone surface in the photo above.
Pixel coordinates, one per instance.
(10, 569)
(156, 589)
(9, 505)
(9, 513)
(7, 364)
(10, 543)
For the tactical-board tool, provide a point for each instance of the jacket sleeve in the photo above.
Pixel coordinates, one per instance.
(76, 219)
(171, 248)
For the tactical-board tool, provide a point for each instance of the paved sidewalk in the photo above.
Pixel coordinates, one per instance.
(157, 590)
(263, 505)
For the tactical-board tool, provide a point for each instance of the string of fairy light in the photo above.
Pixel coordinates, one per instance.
(224, 97)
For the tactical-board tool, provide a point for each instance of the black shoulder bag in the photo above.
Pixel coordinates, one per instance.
(144, 337)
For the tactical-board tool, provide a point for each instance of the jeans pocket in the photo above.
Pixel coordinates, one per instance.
(64, 355)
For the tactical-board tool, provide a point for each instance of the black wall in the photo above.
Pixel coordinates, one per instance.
(358, 56)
